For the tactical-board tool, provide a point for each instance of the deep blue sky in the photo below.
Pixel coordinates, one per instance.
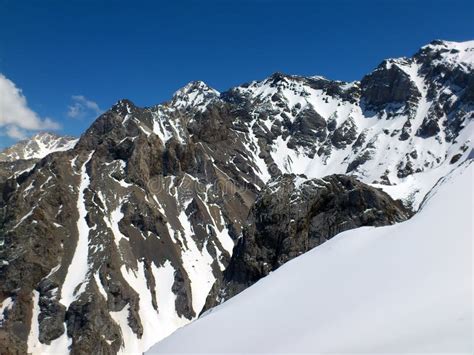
(144, 51)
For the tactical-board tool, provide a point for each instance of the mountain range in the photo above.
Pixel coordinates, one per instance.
(111, 242)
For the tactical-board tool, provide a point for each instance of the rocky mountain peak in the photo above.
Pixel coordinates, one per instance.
(123, 106)
(193, 94)
(37, 147)
(278, 78)
(448, 53)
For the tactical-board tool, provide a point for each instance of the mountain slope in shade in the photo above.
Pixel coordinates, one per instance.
(405, 288)
(112, 245)
(37, 147)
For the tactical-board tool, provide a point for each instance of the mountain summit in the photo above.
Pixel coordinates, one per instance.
(37, 147)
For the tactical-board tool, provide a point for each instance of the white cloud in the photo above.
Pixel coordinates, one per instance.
(15, 132)
(82, 107)
(16, 118)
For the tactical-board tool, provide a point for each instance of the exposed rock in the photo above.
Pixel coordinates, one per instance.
(388, 84)
(292, 216)
(428, 128)
(307, 128)
(345, 134)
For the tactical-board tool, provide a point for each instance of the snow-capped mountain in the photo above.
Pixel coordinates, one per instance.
(394, 289)
(22, 156)
(402, 120)
(37, 147)
(115, 243)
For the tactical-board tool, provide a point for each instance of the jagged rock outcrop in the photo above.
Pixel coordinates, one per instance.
(388, 85)
(293, 215)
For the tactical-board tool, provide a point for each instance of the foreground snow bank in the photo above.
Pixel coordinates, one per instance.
(401, 288)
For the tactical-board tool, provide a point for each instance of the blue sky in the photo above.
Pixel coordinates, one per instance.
(72, 59)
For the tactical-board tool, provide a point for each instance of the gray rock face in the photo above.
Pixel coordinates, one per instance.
(388, 84)
(111, 244)
(307, 128)
(438, 63)
(145, 204)
(10, 168)
(344, 135)
(293, 215)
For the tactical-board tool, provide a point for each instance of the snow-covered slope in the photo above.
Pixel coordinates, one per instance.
(453, 53)
(398, 289)
(37, 147)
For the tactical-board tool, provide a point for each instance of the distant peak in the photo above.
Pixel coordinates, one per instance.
(44, 134)
(449, 44)
(319, 77)
(442, 46)
(123, 106)
(448, 52)
(195, 93)
(278, 75)
(194, 86)
(124, 102)
(38, 146)
(394, 63)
